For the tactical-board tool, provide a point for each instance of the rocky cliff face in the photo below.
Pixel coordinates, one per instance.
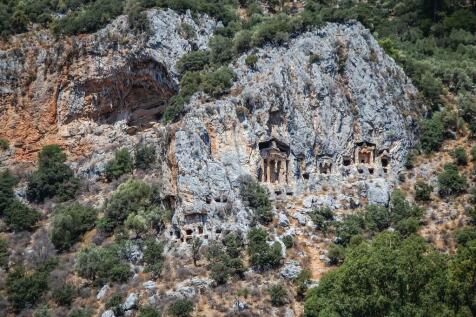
(328, 118)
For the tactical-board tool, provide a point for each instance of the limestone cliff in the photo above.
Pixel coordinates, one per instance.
(329, 117)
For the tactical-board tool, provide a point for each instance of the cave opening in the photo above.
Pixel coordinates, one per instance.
(137, 93)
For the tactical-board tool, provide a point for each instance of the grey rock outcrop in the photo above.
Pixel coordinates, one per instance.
(291, 270)
(130, 302)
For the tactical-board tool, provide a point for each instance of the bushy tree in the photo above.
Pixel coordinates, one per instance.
(65, 294)
(70, 221)
(149, 311)
(144, 156)
(132, 198)
(322, 217)
(225, 259)
(336, 254)
(24, 288)
(217, 82)
(154, 257)
(53, 178)
(432, 133)
(450, 181)
(4, 253)
(102, 264)
(388, 277)
(181, 308)
(257, 197)
(262, 255)
(121, 164)
(460, 157)
(20, 217)
(193, 61)
(279, 295)
(423, 191)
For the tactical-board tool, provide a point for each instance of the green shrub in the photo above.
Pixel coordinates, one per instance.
(257, 198)
(144, 156)
(149, 311)
(53, 178)
(262, 255)
(288, 241)
(279, 295)
(115, 304)
(64, 295)
(153, 257)
(121, 164)
(377, 218)
(351, 225)
(193, 61)
(217, 82)
(380, 268)
(423, 191)
(336, 254)
(242, 41)
(322, 217)
(102, 264)
(251, 61)
(43, 312)
(174, 109)
(4, 144)
(401, 209)
(460, 157)
(407, 226)
(131, 197)
(225, 262)
(20, 217)
(221, 50)
(4, 253)
(70, 221)
(301, 282)
(181, 308)
(432, 133)
(450, 181)
(24, 289)
(7, 196)
(190, 83)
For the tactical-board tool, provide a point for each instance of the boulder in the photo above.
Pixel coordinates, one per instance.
(291, 270)
(130, 302)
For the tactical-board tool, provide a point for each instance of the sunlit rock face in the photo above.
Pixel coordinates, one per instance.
(327, 119)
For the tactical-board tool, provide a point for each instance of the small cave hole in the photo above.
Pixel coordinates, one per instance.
(200, 230)
(384, 162)
(218, 231)
(189, 231)
(347, 162)
(385, 170)
(371, 170)
(305, 175)
(208, 200)
(361, 171)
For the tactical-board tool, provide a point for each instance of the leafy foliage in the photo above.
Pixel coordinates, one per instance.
(70, 222)
(65, 294)
(153, 257)
(225, 262)
(135, 201)
(53, 177)
(423, 191)
(181, 308)
(121, 164)
(144, 156)
(25, 288)
(279, 295)
(258, 200)
(450, 181)
(262, 255)
(102, 264)
(20, 217)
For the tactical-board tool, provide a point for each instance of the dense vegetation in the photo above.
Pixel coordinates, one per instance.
(53, 178)
(396, 276)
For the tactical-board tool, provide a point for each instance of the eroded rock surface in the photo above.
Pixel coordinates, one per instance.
(328, 115)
